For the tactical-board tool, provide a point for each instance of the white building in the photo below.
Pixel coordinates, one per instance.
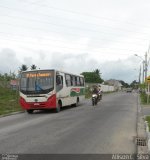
(117, 85)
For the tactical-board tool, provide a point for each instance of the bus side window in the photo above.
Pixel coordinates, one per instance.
(59, 83)
(73, 81)
(78, 81)
(68, 80)
(82, 81)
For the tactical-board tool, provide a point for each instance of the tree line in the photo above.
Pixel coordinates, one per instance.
(90, 76)
(12, 75)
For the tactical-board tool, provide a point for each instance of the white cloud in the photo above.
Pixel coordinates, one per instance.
(121, 69)
(127, 69)
(8, 61)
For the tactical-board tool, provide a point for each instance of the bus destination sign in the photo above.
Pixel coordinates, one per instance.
(31, 75)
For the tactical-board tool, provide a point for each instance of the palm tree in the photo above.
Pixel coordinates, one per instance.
(33, 67)
(97, 71)
(23, 67)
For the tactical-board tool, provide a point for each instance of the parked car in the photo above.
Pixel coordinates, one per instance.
(129, 90)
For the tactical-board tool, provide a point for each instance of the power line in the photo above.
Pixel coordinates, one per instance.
(16, 10)
(58, 40)
(84, 14)
(47, 22)
(71, 47)
(36, 28)
(58, 25)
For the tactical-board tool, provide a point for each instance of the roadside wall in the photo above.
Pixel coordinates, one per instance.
(105, 88)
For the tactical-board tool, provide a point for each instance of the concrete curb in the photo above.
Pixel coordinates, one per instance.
(10, 114)
(141, 129)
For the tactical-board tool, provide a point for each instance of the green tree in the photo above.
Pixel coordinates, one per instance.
(33, 67)
(97, 71)
(134, 84)
(12, 75)
(92, 77)
(126, 85)
(7, 77)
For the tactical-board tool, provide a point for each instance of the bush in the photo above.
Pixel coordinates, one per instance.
(143, 97)
(88, 93)
(148, 120)
(8, 101)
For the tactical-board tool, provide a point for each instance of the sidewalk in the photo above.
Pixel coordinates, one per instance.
(143, 110)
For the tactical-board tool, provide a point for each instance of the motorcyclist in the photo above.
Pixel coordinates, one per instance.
(99, 92)
(95, 91)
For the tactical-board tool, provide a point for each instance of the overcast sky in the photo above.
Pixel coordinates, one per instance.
(75, 35)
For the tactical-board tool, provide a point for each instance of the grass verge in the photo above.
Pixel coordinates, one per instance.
(9, 101)
(143, 97)
(88, 93)
(148, 120)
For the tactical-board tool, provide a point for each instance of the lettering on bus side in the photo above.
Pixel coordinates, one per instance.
(76, 92)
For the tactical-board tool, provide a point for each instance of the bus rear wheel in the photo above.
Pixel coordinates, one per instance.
(30, 111)
(77, 102)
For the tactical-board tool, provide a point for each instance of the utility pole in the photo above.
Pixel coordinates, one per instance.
(145, 66)
(143, 72)
(140, 76)
(147, 84)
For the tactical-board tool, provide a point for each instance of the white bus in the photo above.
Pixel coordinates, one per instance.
(50, 89)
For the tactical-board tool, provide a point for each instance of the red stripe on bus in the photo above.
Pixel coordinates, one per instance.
(50, 103)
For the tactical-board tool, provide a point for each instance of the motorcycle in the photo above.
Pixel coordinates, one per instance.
(94, 99)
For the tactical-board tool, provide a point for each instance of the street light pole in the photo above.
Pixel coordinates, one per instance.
(143, 72)
(143, 61)
(140, 76)
(146, 65)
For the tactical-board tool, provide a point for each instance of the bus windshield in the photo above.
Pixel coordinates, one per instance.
(37, 82)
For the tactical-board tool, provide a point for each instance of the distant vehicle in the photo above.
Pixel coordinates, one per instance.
(129, 90)
(50, 89)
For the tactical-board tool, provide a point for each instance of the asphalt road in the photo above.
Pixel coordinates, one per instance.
(110, 127)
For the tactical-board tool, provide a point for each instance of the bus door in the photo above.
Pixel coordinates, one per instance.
(59, 82)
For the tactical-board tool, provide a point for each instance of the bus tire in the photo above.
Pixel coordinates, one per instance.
(30, 111)
(96, 101)
(58, 108)
(93, 102)
(77, 102)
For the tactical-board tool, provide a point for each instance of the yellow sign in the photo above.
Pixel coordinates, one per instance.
(148, 79)
(31, 75)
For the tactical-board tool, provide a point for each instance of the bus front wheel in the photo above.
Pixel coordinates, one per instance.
(30, 111)
(58, 108)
